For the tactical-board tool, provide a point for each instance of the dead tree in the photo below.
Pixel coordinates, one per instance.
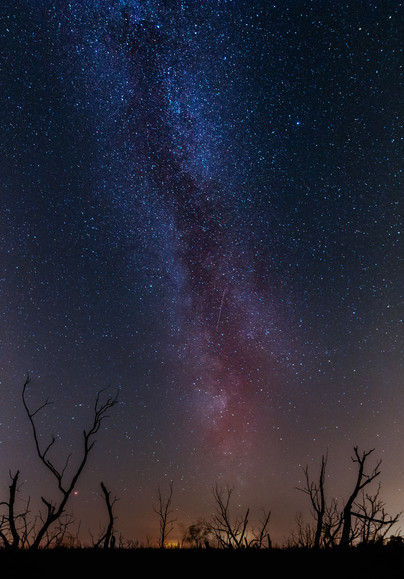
(163, 510)
(374, 522)
(303, 536)
(316, 493)
(58, 535)
(261, 538)
(362, 480)
(332, 524)
(66, 487)
(107, 539)
(228, 534)
(8, 531)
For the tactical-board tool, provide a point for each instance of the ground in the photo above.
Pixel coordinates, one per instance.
(58, 564)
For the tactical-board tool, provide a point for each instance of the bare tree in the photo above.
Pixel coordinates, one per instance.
(107, 538)
(65, 484)
(332, 524)
(316, 493)
(228, 534)
(364, 521)
(8, 530)
(362, 480)
(303, 536)
(260, 537)
(163, 510)
(374, 522)
(58, 534)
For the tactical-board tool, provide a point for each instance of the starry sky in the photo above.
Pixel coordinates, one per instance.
(200, 207)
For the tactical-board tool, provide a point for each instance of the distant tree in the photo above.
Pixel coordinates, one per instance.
(228, 533)
(197, 535)
(39, 533)
(396, 541)
(163, 510)
(303, 535)
(233, 532)
(260, 537)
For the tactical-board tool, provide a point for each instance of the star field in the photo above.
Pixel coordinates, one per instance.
(201, 207)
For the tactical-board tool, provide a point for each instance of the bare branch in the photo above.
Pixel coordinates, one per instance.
(362, 480)
(229, 534)
(374, 521)
(164, 512)
(316, 494)
(54, 511)
(259, 537)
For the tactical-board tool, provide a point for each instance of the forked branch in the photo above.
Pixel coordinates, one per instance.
(66, 487)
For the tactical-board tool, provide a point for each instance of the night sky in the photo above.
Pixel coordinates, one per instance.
(201, 208)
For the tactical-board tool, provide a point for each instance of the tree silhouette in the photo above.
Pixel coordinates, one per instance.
(316, 494)
(8, 530)
(197, 535)
(107, 539)
(364, 520)
(362, 480)
(13, 537)
(228, 533)
(374, 522)
(231, 532)
(163, 510)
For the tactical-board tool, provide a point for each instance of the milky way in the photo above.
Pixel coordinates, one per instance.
(196, 226)
(201, 208)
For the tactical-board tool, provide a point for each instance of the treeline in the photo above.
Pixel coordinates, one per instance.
(361, 520)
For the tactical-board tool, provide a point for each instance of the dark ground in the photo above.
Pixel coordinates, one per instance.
(381, 562)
